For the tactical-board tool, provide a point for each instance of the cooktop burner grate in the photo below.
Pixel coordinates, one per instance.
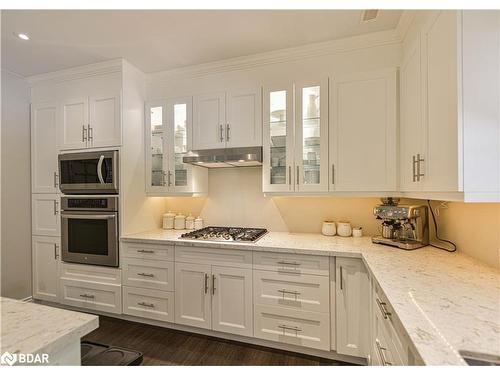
(226, 234)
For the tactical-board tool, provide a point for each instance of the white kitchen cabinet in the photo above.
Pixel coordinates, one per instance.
(192, 295)
(450, 119)
(44, 147)
(74, 123)
(232, 300)
(227, 119)
(168, 139)
(45, 215)
(363, 131)
(243, 118)
(352, 307)
(45, 261)
(209, 121)
(105, 120)
(90, 295)
(91, 121)
(147, 303)
(154, 274)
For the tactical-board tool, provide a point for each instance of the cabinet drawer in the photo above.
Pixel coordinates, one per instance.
(147, 251)
(305, 292)
(107, 275)
(290, 326)
(213, 256)
(291, 263)
(89, 295)
(155, 274)
(147, 303)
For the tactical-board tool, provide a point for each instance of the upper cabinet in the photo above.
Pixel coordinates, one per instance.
(90, 121)
(363, 132)
(316, 141)
(450, 112)
(44, 148)
(168, 136)
(227, 119)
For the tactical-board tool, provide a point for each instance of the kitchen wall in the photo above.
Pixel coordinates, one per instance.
(16, 188)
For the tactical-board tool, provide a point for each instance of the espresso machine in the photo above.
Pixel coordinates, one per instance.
(406, 227)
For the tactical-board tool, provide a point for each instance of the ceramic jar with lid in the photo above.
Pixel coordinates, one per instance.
(198, 223)
(344, 229)
(328, 228)
(180, 221)
(190, 222)
(168, 220)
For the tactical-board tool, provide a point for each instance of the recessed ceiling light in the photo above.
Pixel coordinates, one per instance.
(22, 36)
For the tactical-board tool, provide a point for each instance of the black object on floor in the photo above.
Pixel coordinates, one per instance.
(95, 354)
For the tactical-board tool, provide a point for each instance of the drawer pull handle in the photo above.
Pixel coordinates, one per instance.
(383, 308)
(381, 352)
(284, 327)
(87, 295)
(206, 283)
(146, 274)
(146, 251)
(284, 291)
(146, 304)
(286, 263)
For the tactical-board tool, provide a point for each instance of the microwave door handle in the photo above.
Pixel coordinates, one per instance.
(99, 169)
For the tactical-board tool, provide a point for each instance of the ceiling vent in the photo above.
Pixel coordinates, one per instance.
(369, 15)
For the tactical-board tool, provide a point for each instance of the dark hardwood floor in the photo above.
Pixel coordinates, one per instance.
(162, 346)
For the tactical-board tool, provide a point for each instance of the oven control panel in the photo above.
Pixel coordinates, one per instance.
(97, 203)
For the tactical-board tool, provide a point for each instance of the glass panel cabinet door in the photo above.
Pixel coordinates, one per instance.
(156, 135)
(278, 171)
(311, 136)
(179, 125)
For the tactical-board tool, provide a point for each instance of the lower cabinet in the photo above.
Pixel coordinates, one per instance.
(352, 307)
(45, 217)
(91, 295)
(45, 261)
(148, 303)
(214, 297)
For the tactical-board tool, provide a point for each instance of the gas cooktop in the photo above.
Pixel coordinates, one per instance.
(226, 234)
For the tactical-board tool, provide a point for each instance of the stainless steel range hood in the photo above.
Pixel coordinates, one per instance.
(225, 157)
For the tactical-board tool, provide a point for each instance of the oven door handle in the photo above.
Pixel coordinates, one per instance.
(75, 216)
(99, 169)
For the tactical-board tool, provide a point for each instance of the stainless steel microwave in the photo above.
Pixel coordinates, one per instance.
(92, 172)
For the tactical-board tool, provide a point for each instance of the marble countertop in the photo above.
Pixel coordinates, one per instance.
(31, 328)
(446, 302)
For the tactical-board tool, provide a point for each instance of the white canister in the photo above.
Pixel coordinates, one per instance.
(357, 232)
(198, 223)
(344, 229)
(190, 222)
(328, 228)
(168, 220)
(180, 221)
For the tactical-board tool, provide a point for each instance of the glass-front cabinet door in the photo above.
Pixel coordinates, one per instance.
(179, 125)
(278, 137)
(311, 135)
(156, 144)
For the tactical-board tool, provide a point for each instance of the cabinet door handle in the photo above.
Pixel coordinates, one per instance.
(213, 284)
(87, 295)
(298, 174)
(381, 351)
(146, 304)
(287, 263)
(163, 179)
(56, 255)
(341, 278)
(333, 174)
(228, 128)
(289, 175)
(284, 291)
(414, 168)
(221, 131)
(56, 210)
(146, 251)
(146, 274)
(206, 283)
(285, 327)
(169, 175)
(420, 159)
(383, 308)
(84, 133)
(56, 185)
(90, 132)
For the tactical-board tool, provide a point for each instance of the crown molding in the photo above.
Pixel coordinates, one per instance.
(405, 22)
(79, 72)
(17, 75)
(331, 47)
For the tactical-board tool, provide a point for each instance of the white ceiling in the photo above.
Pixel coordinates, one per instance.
(166, 39)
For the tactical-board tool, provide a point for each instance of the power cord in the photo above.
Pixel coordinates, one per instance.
(437, 235)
